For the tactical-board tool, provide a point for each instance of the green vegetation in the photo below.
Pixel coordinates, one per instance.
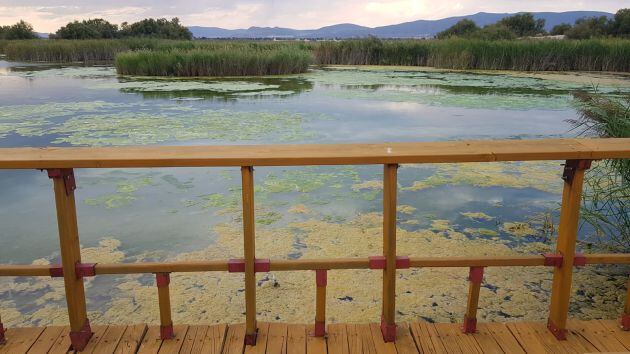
(20, 30)
(606, 199)
(101, 29)
(96, 28)
(457, 53)
(225, 62)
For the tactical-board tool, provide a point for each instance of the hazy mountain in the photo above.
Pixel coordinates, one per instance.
(419, 28)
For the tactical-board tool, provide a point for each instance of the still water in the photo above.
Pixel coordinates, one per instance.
(129, 215)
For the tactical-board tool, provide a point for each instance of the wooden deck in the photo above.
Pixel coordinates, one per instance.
(516, 337)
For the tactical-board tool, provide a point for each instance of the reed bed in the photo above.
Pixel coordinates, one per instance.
(523, 55)
(216, 62)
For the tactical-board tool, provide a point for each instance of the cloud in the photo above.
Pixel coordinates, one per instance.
(48, 16)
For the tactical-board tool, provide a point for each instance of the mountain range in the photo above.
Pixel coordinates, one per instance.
(413, 29)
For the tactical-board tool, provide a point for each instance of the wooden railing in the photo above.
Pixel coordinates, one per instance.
(60, 162)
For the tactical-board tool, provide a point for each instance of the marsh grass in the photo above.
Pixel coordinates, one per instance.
(523, 55)
(217, 62)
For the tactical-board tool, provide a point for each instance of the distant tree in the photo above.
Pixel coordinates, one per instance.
(494, 32)
(463, 28)
(20, 30)
(589, 27)
(523, 24)
(160, 28)
(560, 29)
(620, 25)
(96, 28)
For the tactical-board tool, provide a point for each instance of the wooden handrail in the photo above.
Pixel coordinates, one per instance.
(60, 163)
(330, 154)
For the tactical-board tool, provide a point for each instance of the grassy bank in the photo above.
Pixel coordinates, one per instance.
(217, 62)
(523, 55)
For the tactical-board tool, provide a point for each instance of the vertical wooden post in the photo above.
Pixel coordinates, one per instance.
(64, 186)
(625, 317)
(390, 186)
(162, 280)
(567, 235)
(249, 234)
(321, 280)
(475, 277)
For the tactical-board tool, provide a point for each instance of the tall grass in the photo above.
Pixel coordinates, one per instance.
(525, 55)
(217, 62)
(606, 197)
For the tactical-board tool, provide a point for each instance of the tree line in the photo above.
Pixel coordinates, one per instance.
(525, 25)
(99, 28)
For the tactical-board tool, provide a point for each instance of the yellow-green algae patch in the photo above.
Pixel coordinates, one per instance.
(299, 209)
(519, 229)
(476, 216)
(353, 295)
(405, 209)
(541, 175)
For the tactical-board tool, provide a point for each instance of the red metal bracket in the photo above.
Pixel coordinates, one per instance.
(166, 332)
(67, 174)
(579, 260)
(475, 275)
(83, 270)
(388, 331)
(3, 339)
(571, 166)
(79, 339)
(379, 262)
(162, 279)
(469, 325)
(250, 339)
(321, 277)
(559, 333)
(553, 259)
(625, 322)
(56, 271)
(320, 329)
(237, 265)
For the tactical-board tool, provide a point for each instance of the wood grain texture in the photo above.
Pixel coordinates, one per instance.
(330, 154)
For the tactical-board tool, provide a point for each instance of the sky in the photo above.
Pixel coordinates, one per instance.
(48, 16)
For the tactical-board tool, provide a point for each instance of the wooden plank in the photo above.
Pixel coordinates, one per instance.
(261, 340)
(337, 339)
(365, 336)
(70, 250)
(315, 345)
(526, 337)
(131, 339)
(613, 327)
(390, 187)
(98, 332)
(277, 340)
(565, 245)
(502, 336)
(20, 340)
(486, 340)
(452, 337)
(596, 334)
(173, 345)
(213, 341)
(404, 340)
(151, 342)
(194, 335)
(426, 338)
(164, 298)
(47, 339)
(296, 339)
(379, 344)
(330, 154)
(110, 339)
(355, 345)
(249, 253)
(573, 343)
(62, 345)
(235, 339)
